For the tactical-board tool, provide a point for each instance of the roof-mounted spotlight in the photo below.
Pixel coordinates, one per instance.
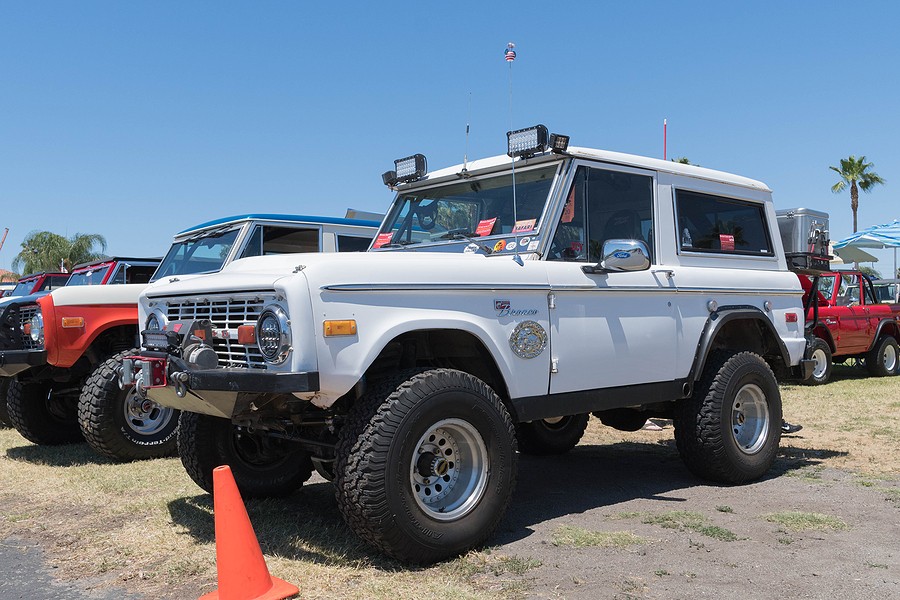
(526, 142)
(558, 143)
(405, 170)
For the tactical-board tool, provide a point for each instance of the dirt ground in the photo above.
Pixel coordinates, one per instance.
(619, 517)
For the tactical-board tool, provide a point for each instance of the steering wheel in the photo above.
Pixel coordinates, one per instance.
(425, 215)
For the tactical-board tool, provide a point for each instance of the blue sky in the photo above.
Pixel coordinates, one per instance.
(137, 119)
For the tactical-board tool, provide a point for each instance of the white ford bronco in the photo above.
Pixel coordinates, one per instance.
(502, 303)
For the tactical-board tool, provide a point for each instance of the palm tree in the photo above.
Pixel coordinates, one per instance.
(855, 171)
(47, 251)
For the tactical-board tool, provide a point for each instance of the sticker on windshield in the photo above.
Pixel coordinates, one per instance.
(524, 241)
(499, 246)
(524, 226)
(382, 239)
(485, 227)
(471, 249)
(511, 246)
(533, 246)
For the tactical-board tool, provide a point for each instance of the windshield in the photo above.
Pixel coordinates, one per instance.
(470, 208)
(92, 276)
(204, 253)
(23, 288)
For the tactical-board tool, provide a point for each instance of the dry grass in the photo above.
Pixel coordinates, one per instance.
(148, 528)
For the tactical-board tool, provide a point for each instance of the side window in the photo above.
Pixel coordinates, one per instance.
(708, 223)
(848, 291)
(139, 273)
(603, 205)
(352, 243)
(51, 283)
(268, 239)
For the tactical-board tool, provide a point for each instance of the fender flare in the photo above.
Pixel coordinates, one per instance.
(882, 325)
(714, 324)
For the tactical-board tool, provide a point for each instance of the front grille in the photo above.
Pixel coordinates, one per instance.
(26, 312)
(224, 313)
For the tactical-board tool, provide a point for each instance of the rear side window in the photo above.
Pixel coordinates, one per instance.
(352, 243)
(708, 223)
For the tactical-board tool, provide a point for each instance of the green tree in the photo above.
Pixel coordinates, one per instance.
(47, 251)
(682, 160)
(855, 173)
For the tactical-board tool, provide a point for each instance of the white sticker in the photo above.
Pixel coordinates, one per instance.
(471, 249)
(511, 246)
(533, 246)
(524, 241)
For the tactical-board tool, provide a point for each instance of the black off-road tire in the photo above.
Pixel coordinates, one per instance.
(728, 431)
(262, 466)
(821, 353)
(42, 415)
(551, 436)
(398, 482)
(884, 359)
(118, 423)
(4, 411)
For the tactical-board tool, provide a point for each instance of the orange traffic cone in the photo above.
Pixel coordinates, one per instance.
(242, 571)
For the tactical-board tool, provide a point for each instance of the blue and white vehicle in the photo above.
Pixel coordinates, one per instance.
(502, 303)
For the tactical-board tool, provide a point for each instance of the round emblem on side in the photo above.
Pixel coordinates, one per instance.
(528, 339)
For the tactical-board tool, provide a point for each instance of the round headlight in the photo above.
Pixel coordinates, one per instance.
(273, 335)
(37, 328)
(154, 323)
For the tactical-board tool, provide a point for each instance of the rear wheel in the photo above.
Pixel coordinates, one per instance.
(728, 431)
(44, 412)
(551, 436)
(119, 423)
(884, 358)
(426, 465)
(821, 353)
(262, 466)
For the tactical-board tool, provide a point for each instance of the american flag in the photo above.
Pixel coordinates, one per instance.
(510, 53)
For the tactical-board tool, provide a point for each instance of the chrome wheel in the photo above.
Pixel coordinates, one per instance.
(750, 418)
(144, 416)
(448, 471)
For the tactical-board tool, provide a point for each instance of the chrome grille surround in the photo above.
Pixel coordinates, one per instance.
(226, 312)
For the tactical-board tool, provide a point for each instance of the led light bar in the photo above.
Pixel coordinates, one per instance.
(558, 143)
(406, 169)
(160, 341)
(527, 142)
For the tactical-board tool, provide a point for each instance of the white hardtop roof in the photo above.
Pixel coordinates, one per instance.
(494, 163)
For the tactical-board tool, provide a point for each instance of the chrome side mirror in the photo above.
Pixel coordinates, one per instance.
(619, 256)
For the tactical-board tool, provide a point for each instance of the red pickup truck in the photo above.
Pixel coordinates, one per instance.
(848, 321)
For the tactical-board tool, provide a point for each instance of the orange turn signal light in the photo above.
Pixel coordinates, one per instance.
(72, 322)
(336, 328)
(246, 334)
(26, 328)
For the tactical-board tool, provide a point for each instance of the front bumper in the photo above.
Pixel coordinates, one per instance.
(221, 392)
(13, 362)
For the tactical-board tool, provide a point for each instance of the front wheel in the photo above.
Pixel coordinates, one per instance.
(262, 465)
(551, 436)
(4, 411)
(426, 465)
(43, 414)
(119, 423)
(882, 360)
(821, 353)
(728, 431)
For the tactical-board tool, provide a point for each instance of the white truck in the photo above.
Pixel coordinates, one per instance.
(502, 303)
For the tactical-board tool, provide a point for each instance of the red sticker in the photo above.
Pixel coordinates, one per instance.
(485, 227)
(382, 239)
(726, 241)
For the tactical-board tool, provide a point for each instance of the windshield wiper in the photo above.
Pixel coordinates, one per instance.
(462, 234)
